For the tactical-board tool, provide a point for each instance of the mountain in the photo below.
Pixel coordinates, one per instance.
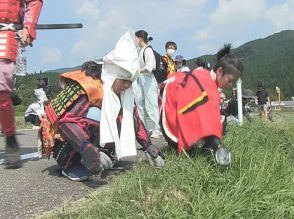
(270, 60)
(62, 70)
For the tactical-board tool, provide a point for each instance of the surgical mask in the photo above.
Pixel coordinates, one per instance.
(170, 52)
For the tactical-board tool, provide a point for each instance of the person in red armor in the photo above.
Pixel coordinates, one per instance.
(69, 131)
(24, 12)
(196, 118)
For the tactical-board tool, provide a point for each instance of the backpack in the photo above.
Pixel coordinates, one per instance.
(159, 72)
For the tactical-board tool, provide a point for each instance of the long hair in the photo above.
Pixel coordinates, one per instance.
(144, 35)
(230, 64)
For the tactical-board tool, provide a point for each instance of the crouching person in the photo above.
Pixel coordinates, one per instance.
(68, 132)
(120, 121)
(35, 111)
(196, 118)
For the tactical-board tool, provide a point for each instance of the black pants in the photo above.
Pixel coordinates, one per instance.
(33, 119)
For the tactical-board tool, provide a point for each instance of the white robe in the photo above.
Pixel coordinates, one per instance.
(121, 63)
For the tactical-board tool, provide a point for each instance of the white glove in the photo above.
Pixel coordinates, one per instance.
(154, 156)
(105, 161)
(157, 162)
(223, 156)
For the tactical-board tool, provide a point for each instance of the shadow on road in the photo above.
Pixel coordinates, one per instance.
(23, 150)
(98, 180)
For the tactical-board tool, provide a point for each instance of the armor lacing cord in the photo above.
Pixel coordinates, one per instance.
(4, 26)
(57, 157)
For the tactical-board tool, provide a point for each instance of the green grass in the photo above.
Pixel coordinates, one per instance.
(19, 118)
(21, 123)
(283, 119)
(259, 184)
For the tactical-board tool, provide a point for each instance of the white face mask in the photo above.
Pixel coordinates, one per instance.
(170, 52)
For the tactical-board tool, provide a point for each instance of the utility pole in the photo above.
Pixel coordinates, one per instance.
(239, 97)
(278, 90)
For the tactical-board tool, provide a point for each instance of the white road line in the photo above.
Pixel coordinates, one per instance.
(20, 130)
(24, 156)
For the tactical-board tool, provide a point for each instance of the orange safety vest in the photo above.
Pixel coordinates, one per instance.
(171, 67)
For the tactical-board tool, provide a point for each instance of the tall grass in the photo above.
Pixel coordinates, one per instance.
(259, 184)
(21, 123)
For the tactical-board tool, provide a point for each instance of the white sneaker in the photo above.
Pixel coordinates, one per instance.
(155, 134)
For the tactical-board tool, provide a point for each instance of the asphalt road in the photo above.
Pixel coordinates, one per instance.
(38, 186)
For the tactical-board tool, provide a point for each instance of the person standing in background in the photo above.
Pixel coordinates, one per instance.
(200, 63)
(262, 100)
(24, 12)
(181, 64)
(168, 62)
(146, 88)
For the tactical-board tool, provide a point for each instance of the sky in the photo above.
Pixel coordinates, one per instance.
(198, 27)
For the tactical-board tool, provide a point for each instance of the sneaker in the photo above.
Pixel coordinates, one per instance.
(77, 172)
(155, 134)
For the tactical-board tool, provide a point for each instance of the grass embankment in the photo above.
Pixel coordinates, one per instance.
(21, 124)
(259, 184)
(19, 118)
(283, 119)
